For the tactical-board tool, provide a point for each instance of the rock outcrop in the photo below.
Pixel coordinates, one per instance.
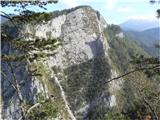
(78, 70)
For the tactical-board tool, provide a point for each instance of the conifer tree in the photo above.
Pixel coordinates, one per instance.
(21, 50)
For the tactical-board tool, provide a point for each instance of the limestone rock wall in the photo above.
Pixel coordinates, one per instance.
(79, 68)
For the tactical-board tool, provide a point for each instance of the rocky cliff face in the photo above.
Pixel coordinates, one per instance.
(75, 76)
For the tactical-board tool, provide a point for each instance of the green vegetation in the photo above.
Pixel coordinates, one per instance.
(84, 84)
(121, 49)
(37, 18)
(137, 97)
(51, 108)
(18, 50)
(48, 109)
(112, 115)
(28, 16)
(22, 51)
(39, 45)
(146, 39)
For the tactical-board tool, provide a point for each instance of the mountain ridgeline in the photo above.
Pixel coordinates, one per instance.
(139, 24)
(92, 52)
(145, 32)
(147, 39)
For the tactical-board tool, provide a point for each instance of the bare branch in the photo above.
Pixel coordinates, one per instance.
(132, 71)
(18, 90)
(9, 18)
(8, 80)
(36, 105)
(151, 109)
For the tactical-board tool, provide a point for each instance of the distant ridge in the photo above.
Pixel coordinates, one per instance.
(147, 39)
(139, 24)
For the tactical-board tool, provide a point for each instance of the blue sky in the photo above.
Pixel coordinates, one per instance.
(114, 11)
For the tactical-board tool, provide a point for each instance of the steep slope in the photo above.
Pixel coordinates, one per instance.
(130, 99)
(91, 54)
(77, 71)
(127, 47)
(146, 39)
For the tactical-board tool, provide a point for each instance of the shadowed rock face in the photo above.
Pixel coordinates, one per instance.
(29, 86)
(83, 62)
(96, 48)
(84, 85)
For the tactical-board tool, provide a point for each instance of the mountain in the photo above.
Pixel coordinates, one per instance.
(71, 81)
(147, 39)
(139, 24)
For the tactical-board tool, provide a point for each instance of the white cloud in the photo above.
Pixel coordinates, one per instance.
(110, 4)
(70, 3)
(124, 9)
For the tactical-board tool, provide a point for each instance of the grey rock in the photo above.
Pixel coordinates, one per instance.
(84, 47)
